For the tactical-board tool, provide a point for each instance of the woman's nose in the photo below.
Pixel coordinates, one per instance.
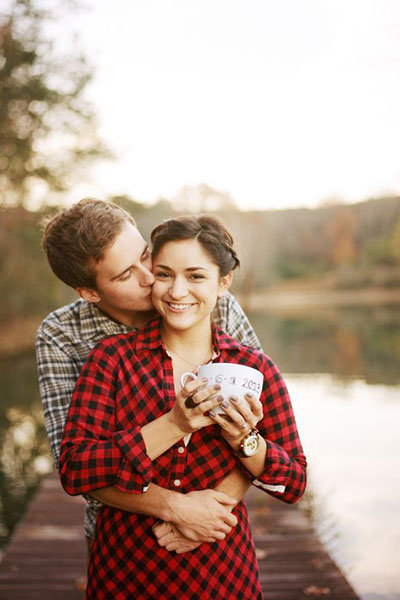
(178, 289)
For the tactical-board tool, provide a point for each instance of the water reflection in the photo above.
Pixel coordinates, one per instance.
(24, 451)
(361, 342)
(346, 396)
(350, 434)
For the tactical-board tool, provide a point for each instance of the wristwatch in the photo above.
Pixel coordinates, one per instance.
(249, 444)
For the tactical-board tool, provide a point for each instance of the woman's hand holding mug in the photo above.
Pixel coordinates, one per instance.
(193, 401)
(239, 408)
(239, 418)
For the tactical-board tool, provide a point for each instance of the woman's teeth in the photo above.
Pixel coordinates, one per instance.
(179, 306)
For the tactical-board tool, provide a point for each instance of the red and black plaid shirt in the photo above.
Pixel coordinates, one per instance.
(126, 382)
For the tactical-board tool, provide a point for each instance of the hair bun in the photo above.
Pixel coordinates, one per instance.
(210, 233)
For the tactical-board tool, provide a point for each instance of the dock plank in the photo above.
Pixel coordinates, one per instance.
(46, 557)
(293, 563)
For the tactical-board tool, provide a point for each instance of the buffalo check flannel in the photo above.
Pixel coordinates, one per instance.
(63, 343)
(126, 382)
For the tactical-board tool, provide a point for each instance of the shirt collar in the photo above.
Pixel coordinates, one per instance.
(223, 341)
(149, 338)
(92, 319)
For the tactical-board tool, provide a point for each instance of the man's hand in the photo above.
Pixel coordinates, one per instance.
(204, 515)
(169, 537)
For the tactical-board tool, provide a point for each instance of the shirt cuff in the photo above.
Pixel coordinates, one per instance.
(136, 468)
(274, 477)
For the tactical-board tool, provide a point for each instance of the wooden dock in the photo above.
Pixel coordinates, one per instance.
(293, 563)
(46, 557)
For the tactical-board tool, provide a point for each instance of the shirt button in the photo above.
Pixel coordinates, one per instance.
(181, 450)
(177, 482)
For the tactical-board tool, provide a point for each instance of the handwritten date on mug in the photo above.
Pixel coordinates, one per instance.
(248, 384)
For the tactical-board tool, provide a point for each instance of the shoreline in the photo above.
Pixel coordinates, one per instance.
(18, 335)
(287, 298)
(297, 299)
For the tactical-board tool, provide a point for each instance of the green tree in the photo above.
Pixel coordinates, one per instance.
(47, 128)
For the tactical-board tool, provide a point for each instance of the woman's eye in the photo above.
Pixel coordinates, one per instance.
(195, 276)
(161, 275)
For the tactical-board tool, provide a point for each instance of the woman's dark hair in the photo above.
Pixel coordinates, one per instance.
(209, 232)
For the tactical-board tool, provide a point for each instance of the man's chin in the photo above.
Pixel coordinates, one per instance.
(147, 303)
(147, 307)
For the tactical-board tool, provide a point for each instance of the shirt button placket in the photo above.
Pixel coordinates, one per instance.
(179, 464)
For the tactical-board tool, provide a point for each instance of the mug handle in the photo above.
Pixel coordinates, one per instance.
(187, 374)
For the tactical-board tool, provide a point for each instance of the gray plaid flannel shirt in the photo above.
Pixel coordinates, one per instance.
(63, 343)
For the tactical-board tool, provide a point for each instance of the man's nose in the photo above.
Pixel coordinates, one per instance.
(147, 277)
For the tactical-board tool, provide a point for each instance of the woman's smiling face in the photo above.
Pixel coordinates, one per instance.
(187, 284)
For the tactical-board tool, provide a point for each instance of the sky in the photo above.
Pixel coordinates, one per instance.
(279, 104)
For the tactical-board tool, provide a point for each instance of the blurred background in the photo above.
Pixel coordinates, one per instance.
(281, 118)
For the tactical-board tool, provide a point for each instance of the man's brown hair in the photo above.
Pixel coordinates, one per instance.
(76, 238)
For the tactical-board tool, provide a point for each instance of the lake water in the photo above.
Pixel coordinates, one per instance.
(350, 433)
(342, 371)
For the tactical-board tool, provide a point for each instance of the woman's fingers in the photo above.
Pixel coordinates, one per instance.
(196, 393)
(255, 406)
(207, 405)
(192, 386)
(246, 411)
(240, 415)
(239, 412)
(197, 390)
(207, 394)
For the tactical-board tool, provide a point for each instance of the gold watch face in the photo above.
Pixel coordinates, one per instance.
(250, 445)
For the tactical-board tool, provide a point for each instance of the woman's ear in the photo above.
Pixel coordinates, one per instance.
(225, 284)
(88, 294)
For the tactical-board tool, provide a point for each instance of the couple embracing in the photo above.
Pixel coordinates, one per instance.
(162, 460)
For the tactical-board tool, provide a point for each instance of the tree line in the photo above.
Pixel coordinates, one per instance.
(351, 245)
(48, 132)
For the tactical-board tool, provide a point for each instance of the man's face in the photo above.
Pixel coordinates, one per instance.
(124, 276)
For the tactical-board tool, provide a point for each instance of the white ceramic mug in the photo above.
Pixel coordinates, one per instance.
(235, 380)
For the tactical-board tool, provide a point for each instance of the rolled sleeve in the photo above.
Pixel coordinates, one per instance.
(275, 475)
(284, 474)
(135, 460)
(94, 454)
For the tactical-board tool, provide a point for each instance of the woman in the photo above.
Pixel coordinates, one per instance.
(131, 423)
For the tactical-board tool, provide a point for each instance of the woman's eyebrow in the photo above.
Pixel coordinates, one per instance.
(196, 269)
(188, 269)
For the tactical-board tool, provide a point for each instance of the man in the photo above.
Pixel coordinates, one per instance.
(96, 248)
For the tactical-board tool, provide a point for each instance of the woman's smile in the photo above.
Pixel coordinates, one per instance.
(179, 307)
(187, 284)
